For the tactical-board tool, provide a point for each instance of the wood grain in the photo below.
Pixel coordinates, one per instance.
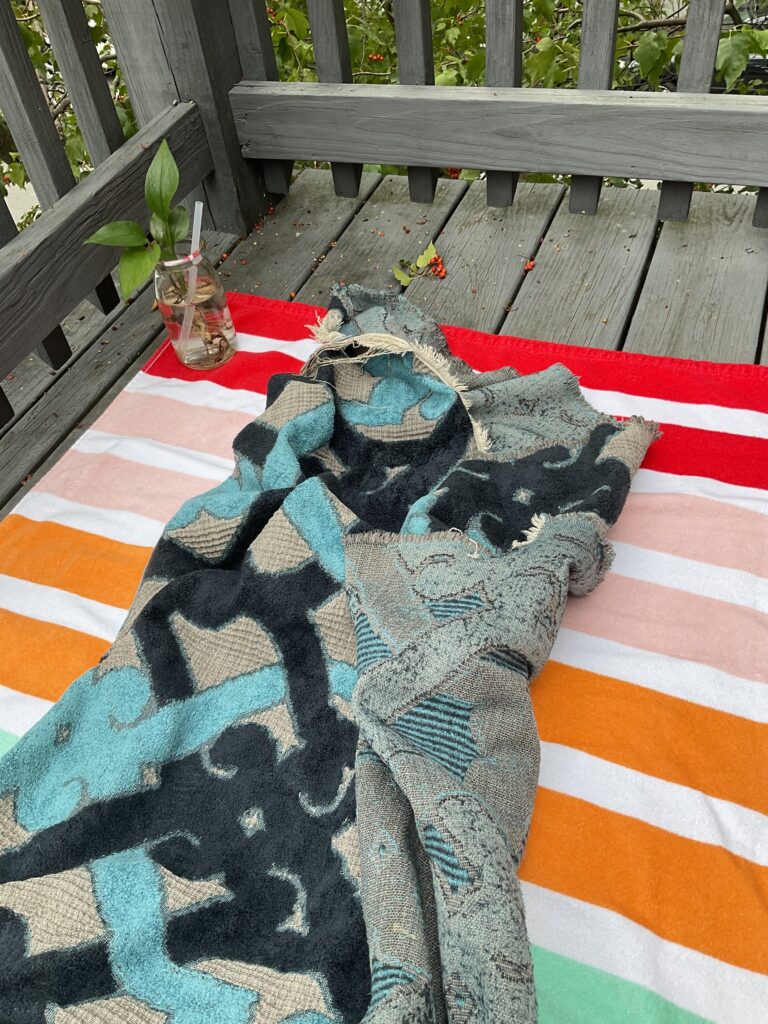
(113, 191)
(388, 227)
(485, 250)
(704, 294)
(282, 252)
(626, 134)
(413, 32)
(588, 272)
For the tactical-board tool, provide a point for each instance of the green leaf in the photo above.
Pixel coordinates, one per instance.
(296, 22)
(541, 64)
(178, 221)
(423, 260)
(135, 267)
(474, 71)
(732, 56)
(402, 277)
(162, 181)
(447, 77)
(119, 232)
(158, 228)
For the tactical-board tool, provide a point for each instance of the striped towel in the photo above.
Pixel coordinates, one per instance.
(646, 871)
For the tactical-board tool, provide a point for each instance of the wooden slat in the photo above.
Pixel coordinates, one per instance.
(199, 42)
(596, 61)
(7, 232)
(113, 191)
(32, 127)
(627, 134)
(704, 22)
(257, 60)
(280, 255)
(704, 293)
(588, 272)
(67, 27)
(333, 64)
(503, 67)
(485, 251)
(413, 31)
(79, 396)
(390, 227)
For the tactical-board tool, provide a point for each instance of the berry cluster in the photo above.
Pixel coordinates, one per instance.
(436, 266)
(376, 56)
(454, 172)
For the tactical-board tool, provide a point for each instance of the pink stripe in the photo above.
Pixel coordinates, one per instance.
(198, 428)
(698, 528)
(675, 623)
(105, 481)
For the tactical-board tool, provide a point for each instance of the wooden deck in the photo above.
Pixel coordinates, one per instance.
(616, 280)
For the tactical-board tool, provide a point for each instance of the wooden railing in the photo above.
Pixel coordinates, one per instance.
(590, 132)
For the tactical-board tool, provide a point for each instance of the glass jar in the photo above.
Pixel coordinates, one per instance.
(212, 339)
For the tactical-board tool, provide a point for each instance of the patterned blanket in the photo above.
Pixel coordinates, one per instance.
(645, 875)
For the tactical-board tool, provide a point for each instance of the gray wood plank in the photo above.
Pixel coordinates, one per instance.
(114, 190)
(485, 250)
(71, 404)
(697, 62)
(200, 45)
(67, 27)
(333, 64)
(588, 272)
(278, 257)
(684, 136)
(596, 62)
(257, 61)
(413, 32)
(26, 112)
(704, 293)
(390, 226)
(504, 67)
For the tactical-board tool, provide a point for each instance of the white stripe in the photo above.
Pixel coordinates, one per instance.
(199, 392)
(684, 414)
(714, 581)
(124, 527)
(20, 711)
(679, 809)
(49, 604)
(688, 680)
(605, 940)
(650, 481)
(157, 454)
(300, 350)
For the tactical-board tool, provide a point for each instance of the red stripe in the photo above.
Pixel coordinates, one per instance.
(732, 458)
(245, 371)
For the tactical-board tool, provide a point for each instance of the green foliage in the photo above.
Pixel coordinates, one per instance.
(168, 225)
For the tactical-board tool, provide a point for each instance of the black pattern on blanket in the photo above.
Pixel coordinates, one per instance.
(307, 763)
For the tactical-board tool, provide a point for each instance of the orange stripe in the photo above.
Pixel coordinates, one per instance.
(42, 659)
(700, 896)
(711, 751)
(82, 563)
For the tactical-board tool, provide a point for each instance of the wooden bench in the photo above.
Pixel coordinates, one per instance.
(672, 271)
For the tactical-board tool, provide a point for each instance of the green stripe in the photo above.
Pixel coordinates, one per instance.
(572, 993)
(6, 742)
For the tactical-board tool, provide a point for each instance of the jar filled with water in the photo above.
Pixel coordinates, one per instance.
(211, 339)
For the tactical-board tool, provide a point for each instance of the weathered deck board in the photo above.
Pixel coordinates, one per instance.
(53, 424)
(485, 250)
(376, 239)
(704, 294)
(588, 271)
(278, 257)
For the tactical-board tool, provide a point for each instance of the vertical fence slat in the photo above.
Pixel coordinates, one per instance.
(258, 64)
(413, 31)
(199, 42)
(333, 64)
(503, 67)
(596, 61)
(703, 25)
(67, 27)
